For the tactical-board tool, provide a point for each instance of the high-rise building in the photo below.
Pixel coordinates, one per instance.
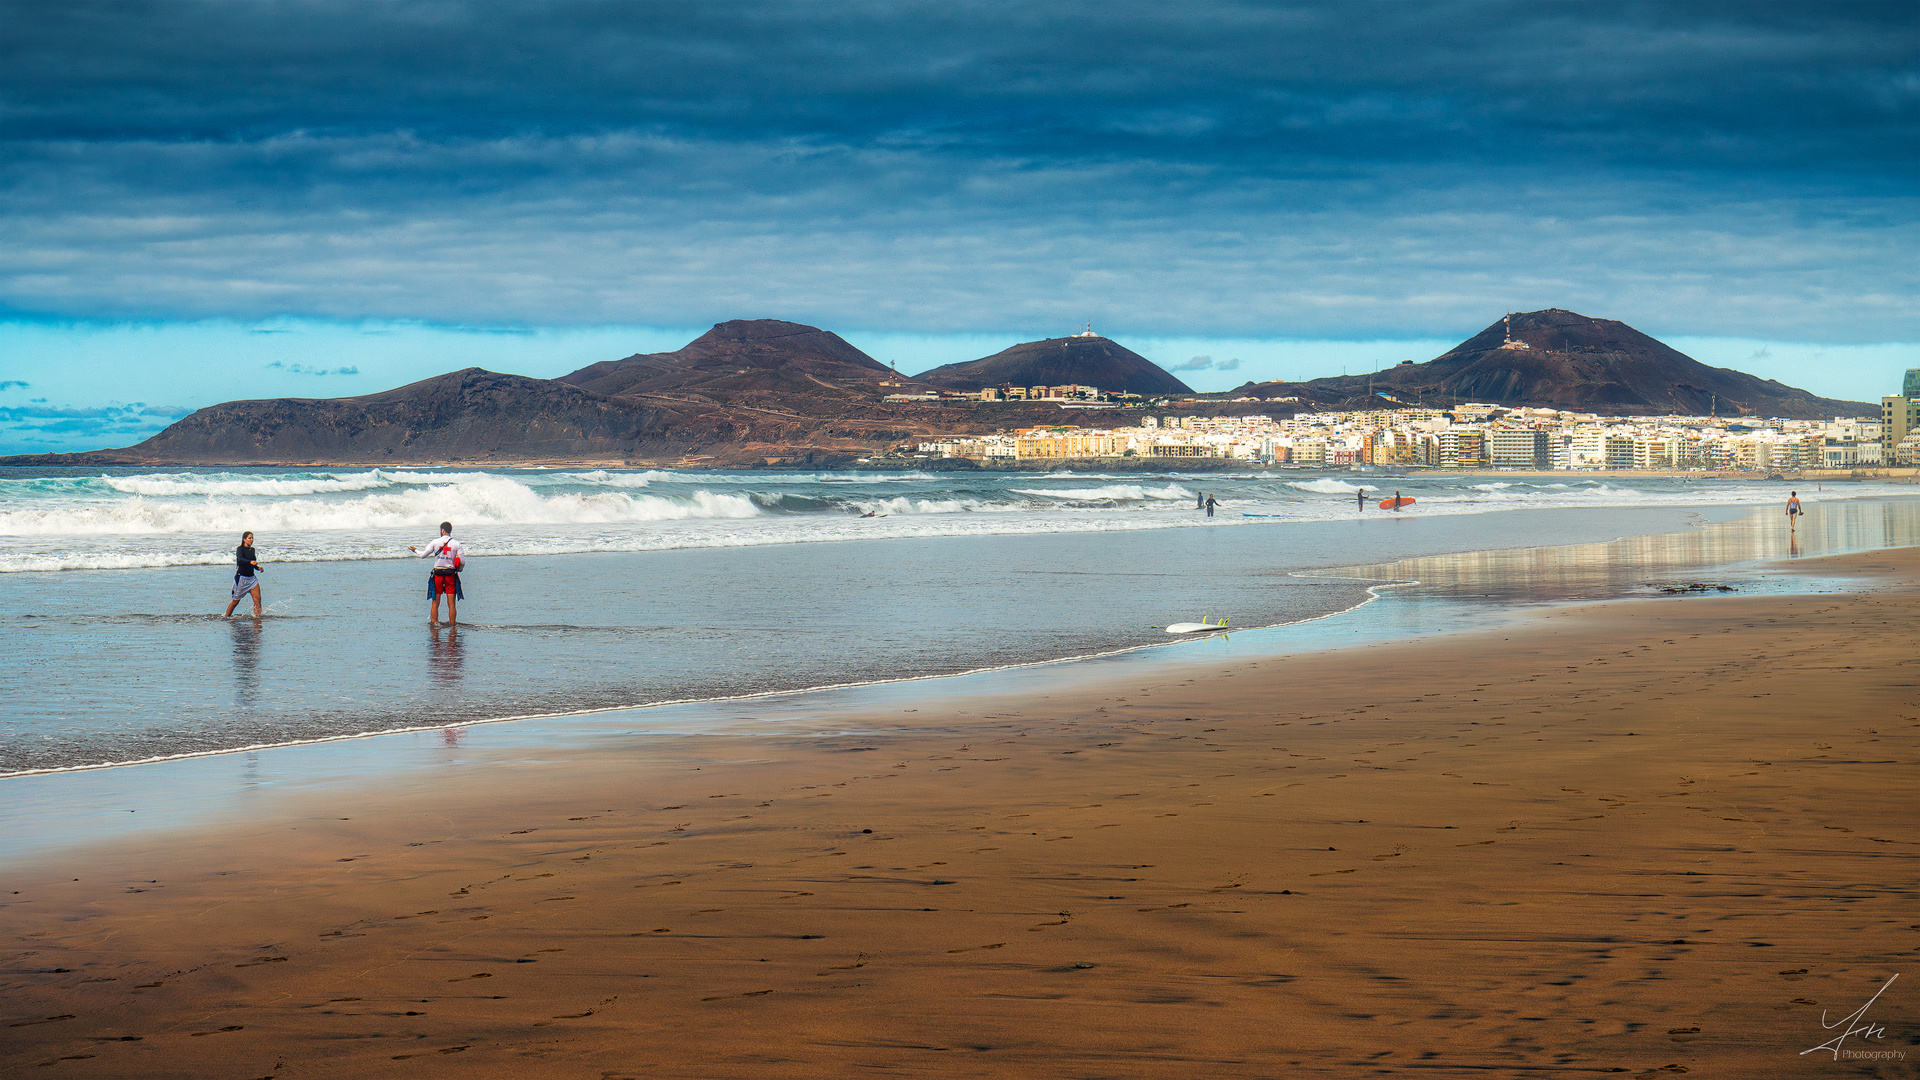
(1517, 449)
(1898, 416)
(1910, 386)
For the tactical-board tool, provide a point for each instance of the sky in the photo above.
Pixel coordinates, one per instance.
(202, 201)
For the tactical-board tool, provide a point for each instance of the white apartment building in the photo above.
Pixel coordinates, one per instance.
(1411, 437)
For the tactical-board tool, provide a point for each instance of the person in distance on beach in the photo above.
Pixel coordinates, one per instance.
(445, 579)
(245, 576)
(1793, 510)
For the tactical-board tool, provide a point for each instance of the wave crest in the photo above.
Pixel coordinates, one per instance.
(479, 498)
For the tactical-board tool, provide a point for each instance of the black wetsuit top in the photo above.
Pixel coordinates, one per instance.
(243, 555)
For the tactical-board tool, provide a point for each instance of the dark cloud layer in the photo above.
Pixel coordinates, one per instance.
(1716, 85)
(1248, 167)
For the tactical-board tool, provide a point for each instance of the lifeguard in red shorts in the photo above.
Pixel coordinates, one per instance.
(445, 579)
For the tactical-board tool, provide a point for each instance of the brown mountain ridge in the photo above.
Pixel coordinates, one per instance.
(1081, 360)
(746, 356)
(748, 392)
(1561, 359)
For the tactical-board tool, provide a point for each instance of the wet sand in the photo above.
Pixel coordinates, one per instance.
(1645, 837)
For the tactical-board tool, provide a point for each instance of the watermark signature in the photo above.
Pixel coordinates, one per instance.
(1856, 1023)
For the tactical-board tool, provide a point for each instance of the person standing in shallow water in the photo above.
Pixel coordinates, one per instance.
(1210, 505)
(1793, 510)
(445, 579)
(246, 578)
(1360, 500)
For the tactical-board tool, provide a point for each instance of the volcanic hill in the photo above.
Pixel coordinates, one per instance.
(746, 356)
(1083, 359)
(1560, 359)
(748, 392)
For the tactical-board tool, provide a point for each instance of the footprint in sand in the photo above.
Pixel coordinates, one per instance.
(446, 1050)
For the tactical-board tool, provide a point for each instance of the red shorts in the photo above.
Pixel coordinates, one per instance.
(444, 583)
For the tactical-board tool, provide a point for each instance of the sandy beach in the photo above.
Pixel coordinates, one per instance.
(1644, 837)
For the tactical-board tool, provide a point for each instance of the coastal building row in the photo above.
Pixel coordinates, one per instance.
(1495, 438)
(1068, 392)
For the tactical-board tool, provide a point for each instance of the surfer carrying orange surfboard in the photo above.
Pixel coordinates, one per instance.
(1396, 502)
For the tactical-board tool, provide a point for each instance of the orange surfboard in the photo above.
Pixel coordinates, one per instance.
(1395, 504)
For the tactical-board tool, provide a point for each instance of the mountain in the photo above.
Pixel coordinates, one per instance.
(1564, 360)
(746, 356)
(462, 414)
(1083, 359)
(748, 392)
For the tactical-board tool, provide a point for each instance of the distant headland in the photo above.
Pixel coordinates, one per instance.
(769, 393)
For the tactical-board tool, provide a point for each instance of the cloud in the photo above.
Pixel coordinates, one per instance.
(1680, 85)
(47, 412)
(1206, 363)
(42, 426)
(1243, 168)
(303, 369)
(12, 384)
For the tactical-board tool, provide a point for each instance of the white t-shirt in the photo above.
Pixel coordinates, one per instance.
(443, 552)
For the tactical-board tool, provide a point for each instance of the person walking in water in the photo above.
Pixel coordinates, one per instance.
(1210, 505)
(1396, 502)
(1793, 510)
(246, 578)
(445, 579)
(1360, 500)
(1199, 500)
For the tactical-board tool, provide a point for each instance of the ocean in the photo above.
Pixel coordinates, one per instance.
(606, 589)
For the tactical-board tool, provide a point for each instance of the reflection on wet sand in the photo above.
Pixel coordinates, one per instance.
(1627, 566)
(247, 636)
(444, 659)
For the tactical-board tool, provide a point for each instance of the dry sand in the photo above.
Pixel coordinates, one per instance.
(1649, 837)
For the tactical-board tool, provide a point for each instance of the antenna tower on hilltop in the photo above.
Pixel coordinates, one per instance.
(1509, 343)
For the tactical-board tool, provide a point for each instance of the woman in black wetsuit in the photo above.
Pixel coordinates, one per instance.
(245, 579)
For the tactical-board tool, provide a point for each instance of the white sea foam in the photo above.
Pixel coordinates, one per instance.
(1115, 492)
(96, 521)
(473, 498)
(1326, 486)
(240, 484)
(902, 504)
(617, 479)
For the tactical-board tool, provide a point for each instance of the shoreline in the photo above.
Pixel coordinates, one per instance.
(678, 905)
(712, 702)
(1275, 638)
